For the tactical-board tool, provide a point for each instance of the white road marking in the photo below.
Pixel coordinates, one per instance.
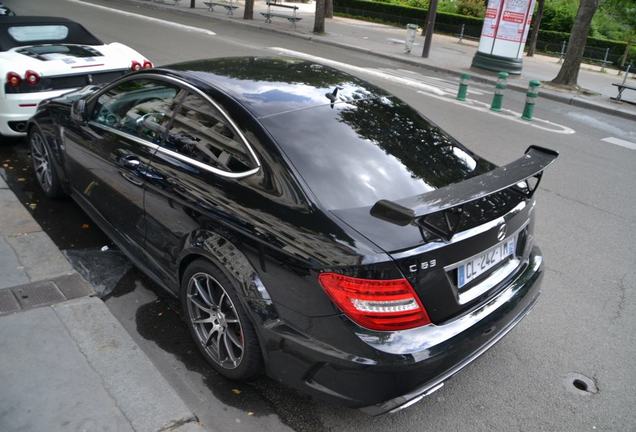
(507, 114)
(448, 87)
(147, 18)
(620, 142)
(362, 70)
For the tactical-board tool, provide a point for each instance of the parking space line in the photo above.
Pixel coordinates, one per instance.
(620, 142)
(147, 18)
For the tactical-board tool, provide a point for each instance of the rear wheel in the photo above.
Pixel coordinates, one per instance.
(43, 165)
(218, 323)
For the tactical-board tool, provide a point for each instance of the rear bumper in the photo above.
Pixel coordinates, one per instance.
(20, 107)
(407, 365)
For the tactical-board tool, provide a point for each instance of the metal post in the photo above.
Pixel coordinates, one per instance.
(562, 56)
(605, 59)
(461, 34)
(463, 87)
(629, 66)
(531, 99)
(497, 99)
(411, 32)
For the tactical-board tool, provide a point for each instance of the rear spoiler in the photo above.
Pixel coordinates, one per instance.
(408, 210)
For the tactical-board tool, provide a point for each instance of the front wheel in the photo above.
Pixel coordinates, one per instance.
(43, 165)
(218, 323)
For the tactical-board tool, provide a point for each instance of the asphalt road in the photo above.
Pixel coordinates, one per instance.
(584, 323)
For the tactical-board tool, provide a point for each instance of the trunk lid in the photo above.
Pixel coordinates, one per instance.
(473, 234)
(431, 266)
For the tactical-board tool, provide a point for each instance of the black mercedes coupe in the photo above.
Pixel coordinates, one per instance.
(315, 227)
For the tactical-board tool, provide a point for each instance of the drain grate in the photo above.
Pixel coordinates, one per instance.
(38, 294)
(580, 384)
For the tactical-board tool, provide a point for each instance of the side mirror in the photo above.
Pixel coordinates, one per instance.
(78, 111)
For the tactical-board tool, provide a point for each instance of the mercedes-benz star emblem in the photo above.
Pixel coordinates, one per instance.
(501, 234)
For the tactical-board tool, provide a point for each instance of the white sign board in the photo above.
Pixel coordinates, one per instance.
(506, 26)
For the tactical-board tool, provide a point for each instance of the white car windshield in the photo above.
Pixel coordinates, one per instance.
(38, 33)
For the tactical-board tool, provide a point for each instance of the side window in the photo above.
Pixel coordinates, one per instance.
(200, 132)
(140, 107)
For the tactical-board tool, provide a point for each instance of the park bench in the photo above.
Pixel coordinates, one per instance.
(228, 5)
(621, 89)
(172, 2)
(291, 18)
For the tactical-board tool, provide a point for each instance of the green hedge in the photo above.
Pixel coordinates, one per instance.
(402, 15)
(548, 41)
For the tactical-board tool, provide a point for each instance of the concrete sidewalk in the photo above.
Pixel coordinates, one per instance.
(447, 55)
(67, 363)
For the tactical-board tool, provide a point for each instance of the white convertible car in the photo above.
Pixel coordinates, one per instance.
(44, 57)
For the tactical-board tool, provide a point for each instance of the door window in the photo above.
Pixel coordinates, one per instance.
(139, 107)
(201, 132)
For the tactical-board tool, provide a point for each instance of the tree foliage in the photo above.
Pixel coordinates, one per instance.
(615, 19)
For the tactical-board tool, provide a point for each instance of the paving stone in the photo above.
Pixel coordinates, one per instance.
(73, 286)
(38, 294)
(39, 256)
(14, 218)
(46, 382)
(141, 392)
(8, 302)
(3, 183)
(11, 271)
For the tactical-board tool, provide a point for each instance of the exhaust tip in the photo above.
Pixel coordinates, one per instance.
(18, 126)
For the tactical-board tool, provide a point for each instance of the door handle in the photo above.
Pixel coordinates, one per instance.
(129, 162)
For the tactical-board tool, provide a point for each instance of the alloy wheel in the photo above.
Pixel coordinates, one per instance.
(41, 162)
(215, 320)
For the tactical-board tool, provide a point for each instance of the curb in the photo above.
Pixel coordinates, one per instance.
(565, 99)
(142, 396)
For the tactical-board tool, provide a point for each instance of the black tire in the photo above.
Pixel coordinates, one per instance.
(43, 168)
(217, 350)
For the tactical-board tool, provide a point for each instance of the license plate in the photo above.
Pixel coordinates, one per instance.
(484, 261)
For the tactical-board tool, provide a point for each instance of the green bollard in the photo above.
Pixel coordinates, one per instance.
(531, 99)
(497, 99)
(463, 87)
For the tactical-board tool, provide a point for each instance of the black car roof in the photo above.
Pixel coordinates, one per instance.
(271, 85)
(77, 33)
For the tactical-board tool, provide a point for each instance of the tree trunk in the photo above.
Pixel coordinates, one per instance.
(569, 73)
(248, 13)
(534, 34)
(319, 18)
(430, 27)
(328, 8)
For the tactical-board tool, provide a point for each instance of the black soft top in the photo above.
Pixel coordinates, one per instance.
(77, 34)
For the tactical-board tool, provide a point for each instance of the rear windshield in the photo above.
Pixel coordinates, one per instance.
(352, 155)
(38, 33)
(17, 34)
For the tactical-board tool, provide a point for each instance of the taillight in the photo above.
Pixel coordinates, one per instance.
(135, 65)
(376, 304)
(13, 79)
(32, 78)
(147, 64)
